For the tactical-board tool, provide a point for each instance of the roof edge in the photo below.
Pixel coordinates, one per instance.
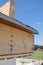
(34, 31)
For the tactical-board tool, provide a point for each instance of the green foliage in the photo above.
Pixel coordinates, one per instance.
(37, 46)
(36, 55)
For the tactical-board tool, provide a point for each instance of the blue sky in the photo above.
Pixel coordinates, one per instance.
(30, 12)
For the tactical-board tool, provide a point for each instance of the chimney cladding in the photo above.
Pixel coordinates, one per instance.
(8, 9)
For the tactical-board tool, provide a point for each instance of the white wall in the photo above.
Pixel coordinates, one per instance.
(8, 62)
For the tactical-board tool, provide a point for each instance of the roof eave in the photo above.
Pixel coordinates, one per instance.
(18, 23)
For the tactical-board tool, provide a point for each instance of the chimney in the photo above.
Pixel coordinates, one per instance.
(8, 9)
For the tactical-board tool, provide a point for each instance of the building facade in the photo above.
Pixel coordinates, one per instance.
(16, 38)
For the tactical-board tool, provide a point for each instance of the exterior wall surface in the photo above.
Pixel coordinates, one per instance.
(15, 41)
(8, 9)
(5, 8)
(8, 62)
